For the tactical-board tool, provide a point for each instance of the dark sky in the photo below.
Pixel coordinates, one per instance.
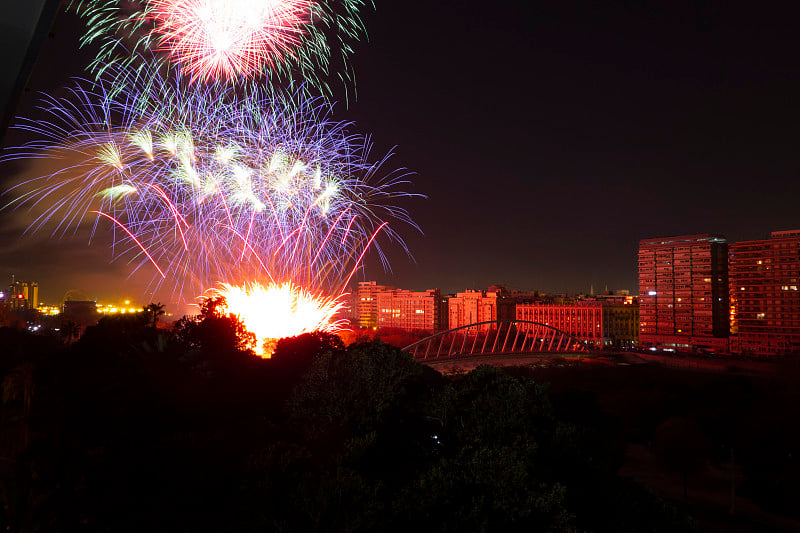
(549, 137)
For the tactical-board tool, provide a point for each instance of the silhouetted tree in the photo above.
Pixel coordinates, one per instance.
(153, 311)
(293, 356)
(70, 331)
(681, 445)
(488, 474)
(213, 341)
(352, 387)
(7, 318)
(20, 383)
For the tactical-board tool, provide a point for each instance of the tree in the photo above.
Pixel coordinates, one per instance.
(681, 445)
(70, 331)
(490, 470)
(20, 383)
(7, 318)
(214, 336)
(153, 311)
(352, 388)
(210, 306)
(293, 356)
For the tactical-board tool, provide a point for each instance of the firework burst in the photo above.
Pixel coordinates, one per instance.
(274, 311)
(203, 187)
(286, 41)
(229, 38)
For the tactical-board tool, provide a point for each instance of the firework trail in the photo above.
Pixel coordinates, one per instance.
(204, 187)
(305, 41)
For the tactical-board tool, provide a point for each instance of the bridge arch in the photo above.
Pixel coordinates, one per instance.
(493, 337)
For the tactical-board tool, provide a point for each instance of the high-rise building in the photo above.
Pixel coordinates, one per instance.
(33, 296)
(472, 307)
(366, 302)
(411, 311)
(765, 295)
(683, 293)
(23, 296)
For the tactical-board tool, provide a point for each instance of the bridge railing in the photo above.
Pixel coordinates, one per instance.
(496, 338)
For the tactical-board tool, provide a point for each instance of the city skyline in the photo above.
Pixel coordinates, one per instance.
(547, 147)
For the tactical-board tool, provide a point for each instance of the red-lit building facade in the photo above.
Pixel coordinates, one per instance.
(765, 295)
(411, 311)
(582, 320)
(683, 293)
(603, 324)
(365, 305)
(471, 307)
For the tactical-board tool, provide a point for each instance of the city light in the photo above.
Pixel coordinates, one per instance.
(115, 309)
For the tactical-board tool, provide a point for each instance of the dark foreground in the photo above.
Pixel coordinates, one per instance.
(134, 428)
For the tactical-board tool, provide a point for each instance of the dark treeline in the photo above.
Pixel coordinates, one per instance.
(136, 428)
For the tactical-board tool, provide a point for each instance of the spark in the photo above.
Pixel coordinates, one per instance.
(275, 311)
(117, 191)
(109, 154)
(144, 140)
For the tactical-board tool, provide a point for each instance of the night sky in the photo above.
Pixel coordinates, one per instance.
(548, 138)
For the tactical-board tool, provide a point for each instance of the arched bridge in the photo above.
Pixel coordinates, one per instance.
(497, 338)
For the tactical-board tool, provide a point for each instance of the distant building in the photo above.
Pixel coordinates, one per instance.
(471, 307)
(366, 303)
(765, 294)
(411, 311)
(603, 324)
(621, 323)
(525, 296)
(683, 292)
(83, 313)
(619, 297)
(22, 295)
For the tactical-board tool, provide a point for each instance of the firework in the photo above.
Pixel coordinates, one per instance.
(229, 38)
(285, 40)
(202, 187)
(275, 311)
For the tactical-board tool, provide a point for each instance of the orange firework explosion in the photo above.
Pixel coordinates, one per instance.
(275, 311)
